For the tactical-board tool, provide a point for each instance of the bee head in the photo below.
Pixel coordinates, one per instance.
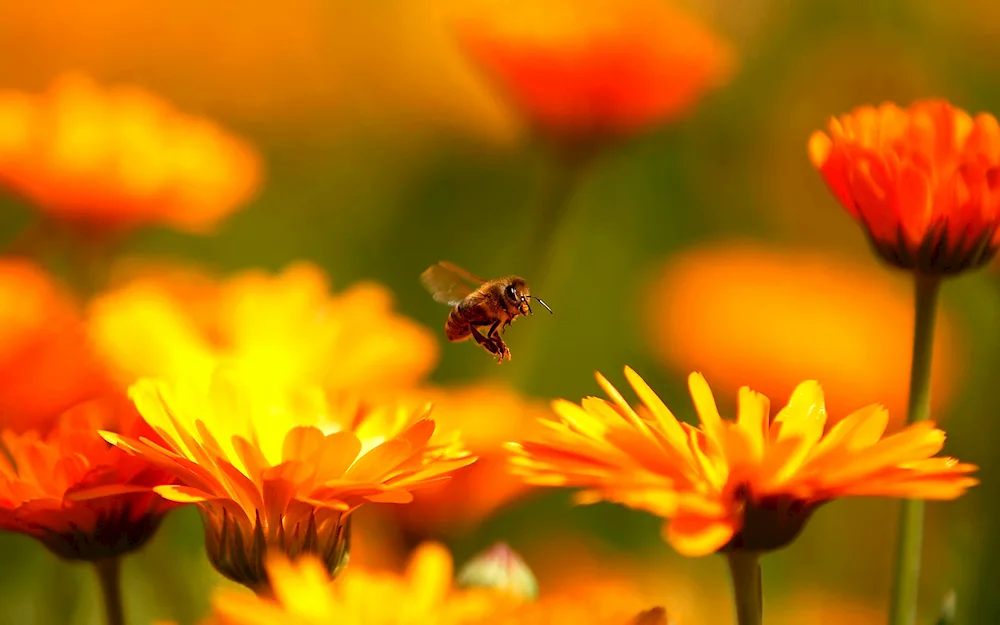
(517, 293)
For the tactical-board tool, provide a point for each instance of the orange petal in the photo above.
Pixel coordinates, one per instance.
(698, 536)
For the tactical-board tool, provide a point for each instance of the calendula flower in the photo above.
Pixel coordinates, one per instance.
(795, 308)
(79, 496)
(423, 594)
(111, 159)
(264, 473)
(486, 415)
(748, 484)
(303, 594)
(285, 329)
(46, 362)
(923, 181)
(596, 69)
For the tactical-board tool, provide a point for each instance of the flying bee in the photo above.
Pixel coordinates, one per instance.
(479, 303)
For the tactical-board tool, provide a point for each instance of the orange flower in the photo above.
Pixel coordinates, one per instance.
(265, 474)
(82, 498)
(924, 182)
(486, 415)
(748, 484)
(46, 362)
(286, 329)
(424, 594)
(745, 314)
(594, 69)
(113, 159)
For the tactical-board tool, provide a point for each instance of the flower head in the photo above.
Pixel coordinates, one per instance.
(285, 329)
(923, 181)
(744, 484)
(82, 498)
(424, 594)
(113, 159)
(46, 362)
(794, 309)
(596, 69)
(265, 474)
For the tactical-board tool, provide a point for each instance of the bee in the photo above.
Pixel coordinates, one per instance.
(479, 303)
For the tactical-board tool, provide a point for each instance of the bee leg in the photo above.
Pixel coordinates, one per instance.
(487, 343)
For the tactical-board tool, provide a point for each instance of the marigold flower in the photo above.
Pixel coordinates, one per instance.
(79, 496)
(924, 182)
(423, 594)
(794, 309)
(46, 362)
(265, 475)
(116, 158)
(286, 329)
(746, 484)
(597, 69)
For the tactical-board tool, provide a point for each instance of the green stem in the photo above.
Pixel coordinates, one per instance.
(109, 574)
(748, 592)
(906, 576)
(553, 204)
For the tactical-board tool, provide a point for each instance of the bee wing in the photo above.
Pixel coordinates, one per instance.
(448, 283)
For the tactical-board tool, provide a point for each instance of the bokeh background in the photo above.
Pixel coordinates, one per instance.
(706, 243)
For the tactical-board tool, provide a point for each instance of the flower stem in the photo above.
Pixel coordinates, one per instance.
(906, 576)
(748, 595)
(554, 199)
(109, 574)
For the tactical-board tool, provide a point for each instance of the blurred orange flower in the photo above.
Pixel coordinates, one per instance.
(748, 484)
(424, 594)
(82, 498)
(924, 182)
(745, 314)
(823, 608)
(264, 473)
(586, 69)
(113, 159)
(486, 415)
(46, 362)
(287, 329)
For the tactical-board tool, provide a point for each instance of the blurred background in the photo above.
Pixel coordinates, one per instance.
(703, 241)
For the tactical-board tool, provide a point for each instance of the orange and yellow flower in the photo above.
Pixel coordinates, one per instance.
(285, 329)
(79, 496)
(923, 181)
(746, 484)
(596, 69)
(276, 469)
(793, 310)
(111, 159)
(46, 362)
(424, 594)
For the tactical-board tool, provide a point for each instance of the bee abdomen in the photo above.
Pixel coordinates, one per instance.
(456, 328)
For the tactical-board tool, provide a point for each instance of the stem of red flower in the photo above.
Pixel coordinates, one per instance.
(109, 574)
(748, 592)
(909, 541)
(554, 200)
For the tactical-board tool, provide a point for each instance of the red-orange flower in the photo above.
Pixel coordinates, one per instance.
(112, 159)
(46, 363)
(584, 69)
(924, 182)
(81, 497)
(748, 484)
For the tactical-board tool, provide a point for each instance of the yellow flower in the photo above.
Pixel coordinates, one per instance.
(285, 330)
(113, 159)
(745, 484)
(423, 595)
(265, 475)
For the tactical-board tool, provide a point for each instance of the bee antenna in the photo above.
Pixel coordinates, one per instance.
(535, 297)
